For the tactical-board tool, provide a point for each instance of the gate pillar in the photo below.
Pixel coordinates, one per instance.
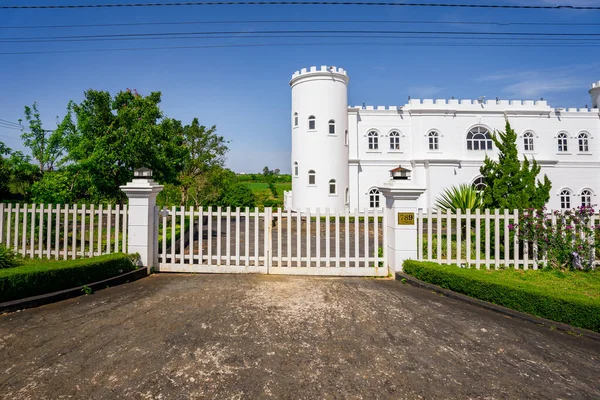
(401, 231)
(141, 223)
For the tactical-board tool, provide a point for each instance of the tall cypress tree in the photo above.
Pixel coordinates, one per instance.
(511, 183)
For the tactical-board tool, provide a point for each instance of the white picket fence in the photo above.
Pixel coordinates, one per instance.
(480, 239)
(271, 241)
(63, 231)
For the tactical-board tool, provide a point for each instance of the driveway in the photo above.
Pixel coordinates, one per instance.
(255, 336)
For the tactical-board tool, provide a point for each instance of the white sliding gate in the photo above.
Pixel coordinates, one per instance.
(216, 240)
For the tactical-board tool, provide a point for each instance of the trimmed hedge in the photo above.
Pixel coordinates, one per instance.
(38, 277)
(571, 297)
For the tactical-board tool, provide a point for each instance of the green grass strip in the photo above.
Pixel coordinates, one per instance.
(36, 277)
(570, 297)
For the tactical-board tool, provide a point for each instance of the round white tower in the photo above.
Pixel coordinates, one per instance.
(595, 93)
(319, 121)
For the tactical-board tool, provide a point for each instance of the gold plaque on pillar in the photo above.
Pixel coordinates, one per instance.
(406, 218)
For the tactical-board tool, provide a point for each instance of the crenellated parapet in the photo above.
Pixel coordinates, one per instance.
(322, 68)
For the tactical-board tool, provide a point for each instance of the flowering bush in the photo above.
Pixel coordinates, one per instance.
(564, 239)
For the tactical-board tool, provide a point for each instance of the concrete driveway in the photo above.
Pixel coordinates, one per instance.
(252, 336)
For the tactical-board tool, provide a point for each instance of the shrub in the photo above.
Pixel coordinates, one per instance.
(8, 258)
(571, 297)
(40, 277)
(565, 239)
(462, 197)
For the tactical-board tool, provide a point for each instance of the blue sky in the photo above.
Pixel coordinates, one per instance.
(244, 90)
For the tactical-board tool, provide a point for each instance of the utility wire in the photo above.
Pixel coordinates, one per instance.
(296, 3)
(322, 21)
(397, 44)
(3, 121)
(278, 32)
(489, 39)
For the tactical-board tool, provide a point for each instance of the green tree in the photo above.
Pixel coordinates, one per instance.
(511, 183)
(205, 150)
(108, 137)
(23, 175)
(4, 172)
(46, 146)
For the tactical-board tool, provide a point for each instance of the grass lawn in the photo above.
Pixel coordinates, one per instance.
(571, 297)
(258, 187)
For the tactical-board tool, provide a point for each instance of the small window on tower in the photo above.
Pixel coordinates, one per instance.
(295, 120)
(312, 123)
(311, 177)
(331, 127)
(332, 187)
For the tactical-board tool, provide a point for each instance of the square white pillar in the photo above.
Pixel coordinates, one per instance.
(141, 224)
(401, 211)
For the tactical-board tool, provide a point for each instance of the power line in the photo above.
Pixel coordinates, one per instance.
(397, 44)
(9, 127)
(279, 36)
(306, 31)
(324, 21)
(297, 3)
(3, 121)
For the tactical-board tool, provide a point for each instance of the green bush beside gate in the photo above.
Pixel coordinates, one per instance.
(37, 277)
(570, 297)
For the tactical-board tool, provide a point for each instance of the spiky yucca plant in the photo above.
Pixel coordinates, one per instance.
(462, 197)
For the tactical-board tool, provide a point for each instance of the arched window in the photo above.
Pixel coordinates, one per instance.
(565, 199)
(296, 168)
(528, 141)
(331, 127)
(374, 198)
(332, 187)
(586, 198)
(434, 140)
(346, 139)
(347, 196)
(311, 177)
(583, 140)
(479, 184)
(373, 140)
(394, 140)
(563, 142)
(479, 138)
(295, 120)
(312, 123)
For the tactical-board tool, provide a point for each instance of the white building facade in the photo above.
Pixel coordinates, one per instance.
(341, 154)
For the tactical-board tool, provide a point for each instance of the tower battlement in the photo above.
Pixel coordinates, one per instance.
(322, 68)
(596, 85)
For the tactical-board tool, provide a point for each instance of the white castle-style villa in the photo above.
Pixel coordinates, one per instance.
(341, 154)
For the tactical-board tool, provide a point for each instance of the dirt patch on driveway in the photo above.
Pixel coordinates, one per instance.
(253, 336)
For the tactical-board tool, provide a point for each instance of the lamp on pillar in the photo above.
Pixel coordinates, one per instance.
(401, 203)
(141, 222)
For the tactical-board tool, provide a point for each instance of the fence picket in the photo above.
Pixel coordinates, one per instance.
(57, 234)
(468, 237)
(289, 237)
(66, 232)
(247, 235)
(40, 240)
(516, 240)
(32, 232)
(438, 214)
(347, 236)
(209, 236)
(419, 234)
(228, 237)
(429, 234)
(8, 224)
(448, 237)
(459, 236)
(279, 244)
(487, 238)
(318, 237)
(366, 239)
(237, 236)
(109, 229)
(337, 239)
(49, 232)
(17, 223)
(219, 233)
(256, 232)
(308, 252)
(356, 238)
(2, 231)
(376, 237)
(118, 228)
(92, 218)
(298, 238)
(200, 235)
(173, 222)
(74, 233)
(496, 238)
(506, 238)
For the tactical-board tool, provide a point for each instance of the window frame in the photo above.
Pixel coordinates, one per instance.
(562, 142)
(332, 183)
(586, 194)
(312, 174)
(372, 140)
(374, 198)
(395, 140)
(473, 139)
(565, 199)
(583, 142)
(331, 124)
(433, 145)
(479, 184)
(296, 169)
(296, 120)
(528, 142)
(312, 120)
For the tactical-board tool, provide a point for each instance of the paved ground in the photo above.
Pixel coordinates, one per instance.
(251, 336)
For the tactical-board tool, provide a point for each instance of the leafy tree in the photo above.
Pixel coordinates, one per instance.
(46, 146)
(511, 183)
(108, 137)
(4, 172)
(23, 174)
(205, 150)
